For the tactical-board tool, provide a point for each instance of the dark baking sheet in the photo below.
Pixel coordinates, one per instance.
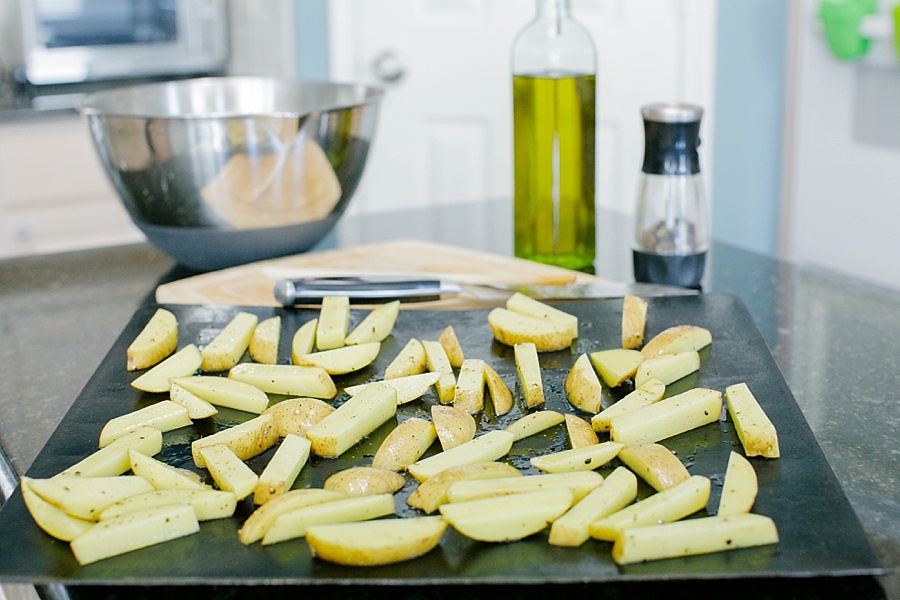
(820, 533)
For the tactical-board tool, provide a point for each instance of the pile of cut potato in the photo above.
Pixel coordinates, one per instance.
(123, 497)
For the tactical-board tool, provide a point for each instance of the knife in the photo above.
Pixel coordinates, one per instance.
(289, 292)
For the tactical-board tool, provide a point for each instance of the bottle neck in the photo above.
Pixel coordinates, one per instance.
(554, 9)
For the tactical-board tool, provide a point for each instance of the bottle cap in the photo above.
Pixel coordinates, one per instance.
(671, 138)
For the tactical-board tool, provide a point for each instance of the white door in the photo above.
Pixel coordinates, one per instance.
(842, 201)
(444, 135)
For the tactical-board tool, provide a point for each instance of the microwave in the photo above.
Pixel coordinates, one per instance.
(77, 41)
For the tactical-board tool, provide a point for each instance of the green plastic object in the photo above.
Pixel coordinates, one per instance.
(841, 20)
(897, 29)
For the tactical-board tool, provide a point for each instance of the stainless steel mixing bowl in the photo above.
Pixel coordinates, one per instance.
(227, 170)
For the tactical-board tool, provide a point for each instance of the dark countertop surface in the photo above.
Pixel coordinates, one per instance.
(835, 339)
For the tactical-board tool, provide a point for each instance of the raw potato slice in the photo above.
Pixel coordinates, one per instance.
(582, 386)
(352, 421)
(164, 415)
(304, 340)
(580, 483)
(157, 340)
(501, 397)
(452, 346)
(526, 305)
(376, 325)
(296, 415)
(756, 432)
(409, 387)
(258, 523)
(263, 346)
(183, 363)
(246, 440)
(86, 497)
(616, 364)
(587, 458)
(288, 380)
(134, 530)
(666, 418)
(162, 476)
(229, 345)
(615, 493)
(453, 425)
(694, 536)
(580, 432)
(652, 391)
(528, 369)
(370, 543)
(634, 321)
(431, 493)
(469, 394)
(655, 464)
(52, 520)
(511, 328)
(672, 504)
(487, 447)
(197, 407)
(535, 422)
(437, 362)
(113, 459)
(294, 524)
(334, 321)
(282, 469)
(208, 504)
(405, 444)
(224, 391)
(678, 339)
(346, 359)
(507, 518)
(228, 471)
(668, 368)
(739, 488)
(410, 361)
(364, 481)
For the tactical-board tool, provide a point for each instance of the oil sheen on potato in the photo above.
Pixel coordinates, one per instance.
(553, 128)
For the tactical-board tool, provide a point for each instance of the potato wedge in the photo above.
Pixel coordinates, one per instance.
(409, 387)
(246, 440)
(334, 321)
(431, 493)
(677, 339)
(409, 361)
(164, 415)
(666, 418)
(580, 432)
(259, 521)
(452, 347)
(208, 504)
(526, 305)
(511, 328)
(672, 504)
(501, 397)
(134, 530)
(225, 391)
(634, 321)
(54, 521)
(694, 536)
(282, 469)
(507, 518)
(229, 472)
(183, 363)
(113, 459)
(615, 493)
(652, 391)
(375, 326)
(580, 483)
(528, 369)
(469, 393)
(296, 415)
(740, 487)
(197, 407)
(586, 458)
(86, 497)
(583, 389)
(353, 420)
(293, 524)
(157, 340)
(229, 345)
(655, 464)
(756, 432)
(343, 360)
(668, 368)
(371, 543)
(437, 362)
(288, 380)
(616, 365)
(405, 444)
(487, 447)
(263, 347)
(534, 422)
(453, 425)
(364, 481)
(162, 476)
(304, 340)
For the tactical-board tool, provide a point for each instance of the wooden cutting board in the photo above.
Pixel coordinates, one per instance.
(252, 284)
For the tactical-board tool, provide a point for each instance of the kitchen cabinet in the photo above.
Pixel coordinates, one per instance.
(54, 195)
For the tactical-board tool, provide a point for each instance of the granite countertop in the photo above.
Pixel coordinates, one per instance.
(835, 339)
